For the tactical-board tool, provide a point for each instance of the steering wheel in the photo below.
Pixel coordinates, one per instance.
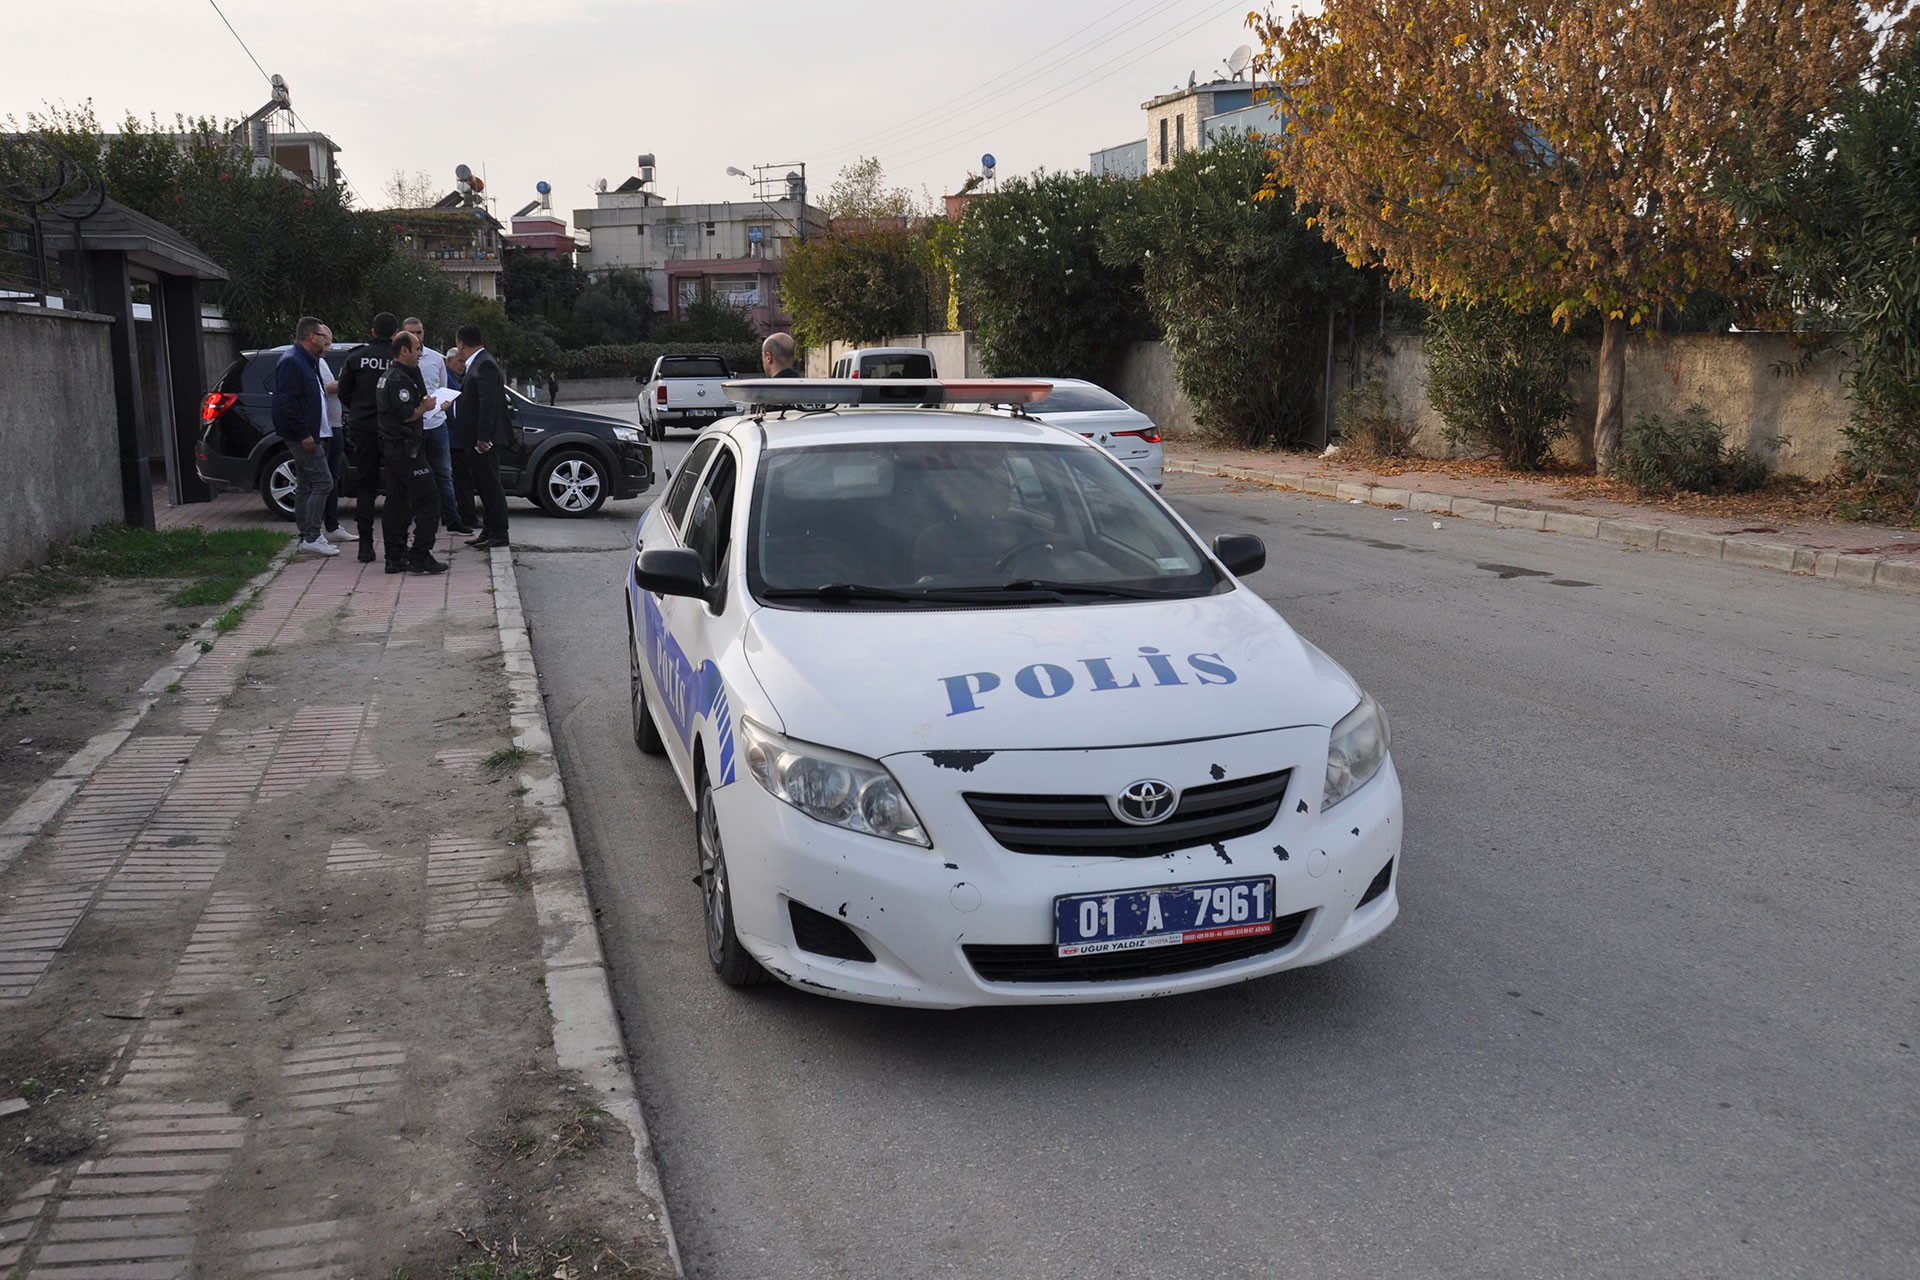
(1031, 544)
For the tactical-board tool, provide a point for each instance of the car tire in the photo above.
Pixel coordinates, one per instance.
(730, 960)
(646, 734)
(656, 430)
(571, 483)
(277, 484)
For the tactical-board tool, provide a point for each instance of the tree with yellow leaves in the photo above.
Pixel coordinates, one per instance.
(1560, 155)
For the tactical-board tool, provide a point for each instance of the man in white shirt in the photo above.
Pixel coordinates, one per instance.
(333, 441)
(439, 451)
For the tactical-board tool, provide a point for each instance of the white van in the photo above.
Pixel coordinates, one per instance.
(886, 362)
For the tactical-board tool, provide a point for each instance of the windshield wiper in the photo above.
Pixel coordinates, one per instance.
(861, 592)
(1111, 590)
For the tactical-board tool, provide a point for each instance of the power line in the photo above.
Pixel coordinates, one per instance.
(1063, 92)
(243, 44)
(898, 125)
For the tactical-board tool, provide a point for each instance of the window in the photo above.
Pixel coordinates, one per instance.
(710, 526)
(1163, 140)
(683, 481)
(676, 242)
(1179, 136)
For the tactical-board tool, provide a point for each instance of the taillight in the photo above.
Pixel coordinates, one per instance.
(215, 404)
(1151, 435)
(659, 393)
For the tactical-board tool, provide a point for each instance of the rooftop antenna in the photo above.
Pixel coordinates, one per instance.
(1237, 61)
(1192, 79)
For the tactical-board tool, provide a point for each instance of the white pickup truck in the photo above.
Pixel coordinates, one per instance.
(683, 391)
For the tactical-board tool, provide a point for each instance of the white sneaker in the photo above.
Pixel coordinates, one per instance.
(320, 547)
(339, 535)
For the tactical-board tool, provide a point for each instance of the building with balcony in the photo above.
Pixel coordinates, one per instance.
(726, 252)
(462, 240)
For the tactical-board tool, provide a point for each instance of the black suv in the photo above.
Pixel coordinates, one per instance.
(568, 462)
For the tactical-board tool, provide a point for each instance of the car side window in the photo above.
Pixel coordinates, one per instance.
(710, 527)
(685, 481)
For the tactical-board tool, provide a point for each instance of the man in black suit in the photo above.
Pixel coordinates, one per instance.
(488, 424)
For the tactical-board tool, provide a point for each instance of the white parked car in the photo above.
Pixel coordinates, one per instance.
(1108, 421)
(967, 715)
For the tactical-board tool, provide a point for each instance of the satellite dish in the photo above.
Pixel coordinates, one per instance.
(543, 187)
(463, 173)
(1237, 60)
(601, 186)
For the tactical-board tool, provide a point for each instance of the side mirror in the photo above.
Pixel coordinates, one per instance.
(670, 571)
(1242, 553)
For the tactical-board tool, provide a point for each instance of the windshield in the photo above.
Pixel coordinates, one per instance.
(1064, 399)
(693, 367)
(989, 522)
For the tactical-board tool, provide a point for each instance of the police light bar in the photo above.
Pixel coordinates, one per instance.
(815, 393)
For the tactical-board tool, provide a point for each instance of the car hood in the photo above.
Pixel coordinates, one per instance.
(549, 417)
(1056, 677)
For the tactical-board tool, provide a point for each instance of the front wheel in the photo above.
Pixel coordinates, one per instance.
(277, 485)
(571, 483)
(729, 959)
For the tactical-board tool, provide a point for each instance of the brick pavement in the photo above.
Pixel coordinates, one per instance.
(135, 926)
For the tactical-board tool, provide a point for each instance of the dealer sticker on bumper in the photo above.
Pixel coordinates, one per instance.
(1087, 924)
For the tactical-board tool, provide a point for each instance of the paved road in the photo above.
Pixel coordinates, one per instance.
(1650, 1008)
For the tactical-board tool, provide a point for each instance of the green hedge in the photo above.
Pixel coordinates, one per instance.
(637, 360)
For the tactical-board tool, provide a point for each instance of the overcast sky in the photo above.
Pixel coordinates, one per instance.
(572, 90)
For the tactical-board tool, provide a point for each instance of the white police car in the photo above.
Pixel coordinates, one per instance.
(968, 716)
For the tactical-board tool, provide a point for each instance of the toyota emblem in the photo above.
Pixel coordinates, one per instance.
(1146, 802)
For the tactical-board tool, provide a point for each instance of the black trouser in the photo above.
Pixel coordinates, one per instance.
(363, 451)
(462, 489)
(412, 494)
(485, 469)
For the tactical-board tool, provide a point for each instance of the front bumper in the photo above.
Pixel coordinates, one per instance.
(635, 476)
(919, 911)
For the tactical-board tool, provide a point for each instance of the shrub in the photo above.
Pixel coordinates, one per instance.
(1659, 454)
(636, 361)
(1028, 269)
(1370, 427)
(1498, 378)
(1240, 284)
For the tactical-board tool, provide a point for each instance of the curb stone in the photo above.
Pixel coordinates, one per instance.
(1876, 571)
(586, 1030)
(34, 814)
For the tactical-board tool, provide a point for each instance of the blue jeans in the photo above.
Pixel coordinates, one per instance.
(439, 451)
(312, 482)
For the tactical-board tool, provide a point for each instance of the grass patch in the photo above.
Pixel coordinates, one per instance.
(506, 757)
(229, 620)
(214, 565)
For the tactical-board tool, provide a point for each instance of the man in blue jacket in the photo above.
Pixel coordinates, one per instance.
(299, 407)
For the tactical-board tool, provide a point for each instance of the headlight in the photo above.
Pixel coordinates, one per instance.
(1358, 749)
(627, 435)
(831, 786)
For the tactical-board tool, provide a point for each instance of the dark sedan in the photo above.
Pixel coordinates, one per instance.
(568, 462)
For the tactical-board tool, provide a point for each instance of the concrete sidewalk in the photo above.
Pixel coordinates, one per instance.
(1866, 555)
(297, 973)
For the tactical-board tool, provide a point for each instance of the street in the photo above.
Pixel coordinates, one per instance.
(1650, 1008)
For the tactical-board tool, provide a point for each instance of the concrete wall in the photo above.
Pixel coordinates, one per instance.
(1147, 383)
(1793, 420)
(57, 430)
(1752, 383)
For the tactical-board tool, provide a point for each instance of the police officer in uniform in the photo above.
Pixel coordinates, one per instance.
(359, 385)
(412, 492)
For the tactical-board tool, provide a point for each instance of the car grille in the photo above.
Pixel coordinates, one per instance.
(1040, 964)
(1083, 826)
